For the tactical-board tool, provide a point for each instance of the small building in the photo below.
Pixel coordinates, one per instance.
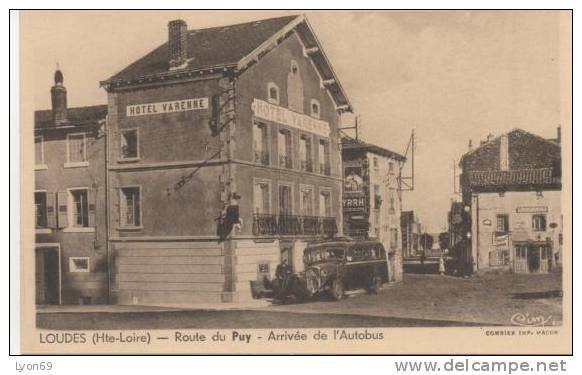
(69, 197)
(224, 159)
(511, 188)
(372, 201)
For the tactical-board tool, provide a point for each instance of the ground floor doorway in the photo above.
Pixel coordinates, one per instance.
(48, 275)
(532, 258)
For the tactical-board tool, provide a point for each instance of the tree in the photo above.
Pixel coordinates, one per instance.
(426, 241)
(444, 240)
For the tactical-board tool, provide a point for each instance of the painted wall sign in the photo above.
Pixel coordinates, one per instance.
(354, 204)
(531, 209)
(166, 107)
(283, 116)
(354, 181)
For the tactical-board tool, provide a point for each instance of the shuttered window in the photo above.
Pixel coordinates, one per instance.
(38, 150)
(40, 204)
(79, 208)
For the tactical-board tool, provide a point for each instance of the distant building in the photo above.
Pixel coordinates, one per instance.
(372, 202)
(70, 221)
(511, 187)
(410, 229)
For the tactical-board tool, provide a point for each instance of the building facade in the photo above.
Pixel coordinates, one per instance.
(372, 202)
(70, 221)
(223, 160)
(511, 188)
(410, 229)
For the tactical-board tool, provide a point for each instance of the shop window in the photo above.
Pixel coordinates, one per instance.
(260, 143)
(130, 207)
(539, 223)
(273, 93)
(502, 223)
(79, 264)
(129, 144)
(76, 150)
(315, 108)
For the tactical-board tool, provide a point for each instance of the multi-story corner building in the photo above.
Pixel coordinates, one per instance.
(511, 188)
(223, 159)
(371, 199)
(69, 197)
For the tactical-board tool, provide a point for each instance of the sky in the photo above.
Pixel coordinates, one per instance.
(451, 76)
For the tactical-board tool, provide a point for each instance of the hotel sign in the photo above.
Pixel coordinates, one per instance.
(166, 107)
(283, 116)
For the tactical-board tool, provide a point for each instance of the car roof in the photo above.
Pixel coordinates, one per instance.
(342, 243)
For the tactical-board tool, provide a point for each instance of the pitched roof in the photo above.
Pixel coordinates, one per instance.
(211, 47)
(75, 116)
(356, 144)
(538, 176)
(233, 47)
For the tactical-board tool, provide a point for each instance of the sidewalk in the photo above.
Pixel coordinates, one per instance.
(247, 305)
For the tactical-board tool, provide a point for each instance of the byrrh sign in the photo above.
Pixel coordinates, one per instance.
(166, 107)
(283, 116)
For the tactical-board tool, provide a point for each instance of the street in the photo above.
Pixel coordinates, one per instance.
(419, 301)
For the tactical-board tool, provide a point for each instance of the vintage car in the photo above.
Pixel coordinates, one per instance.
(339, 265)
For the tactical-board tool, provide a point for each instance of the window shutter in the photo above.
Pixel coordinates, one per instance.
(51, 218)
(91, 197)
(62, 201)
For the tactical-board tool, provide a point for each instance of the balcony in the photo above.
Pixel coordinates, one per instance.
(285, 161)
(324, 169)
(261, 157)
(294, 225)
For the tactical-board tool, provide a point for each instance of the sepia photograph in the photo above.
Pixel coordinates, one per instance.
(198, 181)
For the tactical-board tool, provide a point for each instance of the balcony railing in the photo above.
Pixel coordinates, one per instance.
(324, 169)
(262, 157)
(285, 161)
(294, 225)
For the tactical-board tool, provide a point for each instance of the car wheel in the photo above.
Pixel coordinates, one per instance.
(376, 285)
(337, 290)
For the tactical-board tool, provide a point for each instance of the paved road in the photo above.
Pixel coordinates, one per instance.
(419, 301)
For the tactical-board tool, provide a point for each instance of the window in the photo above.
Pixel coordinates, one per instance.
(305, 153)
(285, 147)
(39, 150)
(377, 196)
(325, 203)
(273, 93)
(260, 143)
(79, 264)
(40, 204)
(129, 144)
(390, 167)
(79, 212)
(315, 108)
(502, 223)
(324, 163)
(285, 200)
(539, 223)
(306, 196)
(130, 207)
(76, 149)
(261, 197)
(295, 88)
(375, 162)
(392, 208)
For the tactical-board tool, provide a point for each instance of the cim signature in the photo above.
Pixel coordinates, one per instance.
(525, 320)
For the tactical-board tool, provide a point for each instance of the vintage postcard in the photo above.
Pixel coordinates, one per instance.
(325, 182)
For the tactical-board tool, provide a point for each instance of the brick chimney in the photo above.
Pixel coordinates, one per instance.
(59, 99)
(559, 139)
(177, 43)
